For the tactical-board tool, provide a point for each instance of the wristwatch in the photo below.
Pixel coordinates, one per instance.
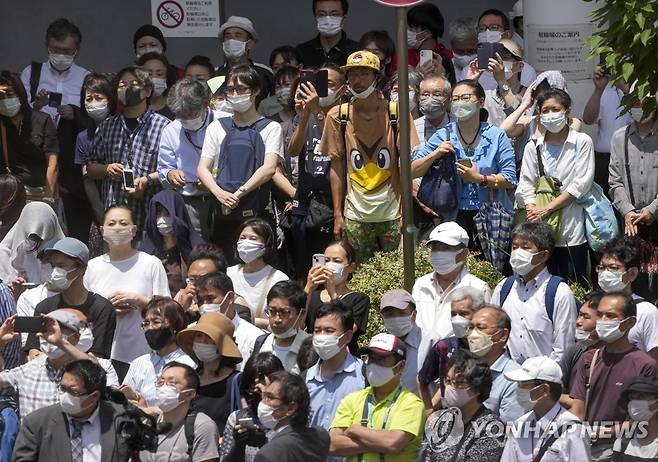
(320, 116)
(242, 189)
(504, 87)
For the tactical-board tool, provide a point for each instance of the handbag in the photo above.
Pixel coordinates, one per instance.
(547, 188)
(600, 221)
(318, 214)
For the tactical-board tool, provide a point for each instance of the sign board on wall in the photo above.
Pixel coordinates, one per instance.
(186, 18)
(560, 47)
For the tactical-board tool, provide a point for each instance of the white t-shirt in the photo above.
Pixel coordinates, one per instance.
(28, 301)
(142, 274)
(644, 333)
(272, 138)
(609, 120)
(252, 286)
(245, 336)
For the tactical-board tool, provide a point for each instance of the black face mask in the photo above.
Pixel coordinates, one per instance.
(158, 338)
(133, 96)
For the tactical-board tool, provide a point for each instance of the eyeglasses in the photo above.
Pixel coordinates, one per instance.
(77, 394)
(152, 324)
(283, 313)
(63, 51)
(613, 268)
(467, 97)
(491, 27)
(457, 383)
(238, 91)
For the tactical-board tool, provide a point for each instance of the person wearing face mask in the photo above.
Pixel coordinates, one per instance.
(278, 106)
(331, 45)
(632, 190)
(285, 310)
(542, 307)
(176, 388)
(254, 277)
(364, 173)
(338, 373)
(605, 372)
(467, 386)
(329, 282)
(384, 419)
(434, 292)
(34, 158)
(285, 409)
(66, 338)
(568, 156)
(313, 184)
(149, 39)
(163, 320)
(238, 38)
(539, 387)
(215, 295)
(170, 236)
(82, 421)
(284, 55)
(415, 78)
(128, 278)
(618, 269)
(69, 258)
(379, 43)
(464, 44)
(398, 312)
(641, 400)
(117, 148)
(210, 343)
(156, 65)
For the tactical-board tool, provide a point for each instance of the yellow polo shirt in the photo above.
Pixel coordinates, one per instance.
(407, 414)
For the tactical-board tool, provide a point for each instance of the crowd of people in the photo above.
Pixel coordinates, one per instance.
(180, 242)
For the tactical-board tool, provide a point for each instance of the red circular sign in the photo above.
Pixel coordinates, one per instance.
(399, 2)
(170, 14)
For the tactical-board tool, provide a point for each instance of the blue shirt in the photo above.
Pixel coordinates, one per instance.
(493, 155)
(326, 394)
(180, 149)
(11, 352)
(502, 398)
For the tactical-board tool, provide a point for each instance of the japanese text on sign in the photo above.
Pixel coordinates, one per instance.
(186, 18)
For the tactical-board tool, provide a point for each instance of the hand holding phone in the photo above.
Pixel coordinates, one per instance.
(319, 260)
(54, 99)
(487, 51)
(29, 324)
(468, 163)
(128, 178)
(426, 56)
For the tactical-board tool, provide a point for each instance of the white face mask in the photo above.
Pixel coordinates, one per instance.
(9, 107)
(159, 85)
(50, 350)
(326, 101)
(326, 346)
(142, 51)
(167, 398)
(379, 375)
(329, 25)
(249, 250)
(412, 99)
(59, 280)
(611, 281)
(234, 49)
(165, 225)
(479, 343)
(213, 307)
(508, 69)
(71, 405)
(117, 236)
(292, 330)
(266, 416)
(205, 352)
(456, 397)
(462, 61)
(337, 269)
(399, 326)
(283, 96)
(464, 110)
(98, 112)
(240, 103)
(524, 400)
(86, 340)
(365, 93)
(638, 115)
(554, 122)
(639, 410)
(609, 331)
(412, 40)
(521, 261)
(582, 335)
(460, 326)
(443, 261)
(489, 36)
(193, 125)
(224, 106)
(61, 62)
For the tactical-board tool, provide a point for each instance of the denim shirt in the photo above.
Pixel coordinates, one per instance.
(493, 155)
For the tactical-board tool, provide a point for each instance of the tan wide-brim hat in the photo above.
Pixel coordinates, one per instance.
(216, 326)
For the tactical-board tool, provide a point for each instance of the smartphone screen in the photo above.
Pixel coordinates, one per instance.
(465, 162)
(128, 178)
(54, 99)
(321, 82)
(29, 324)
(319, 260)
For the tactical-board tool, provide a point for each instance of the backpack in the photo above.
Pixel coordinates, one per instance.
(189, 432)
(344, 114)
(438, 188)
(246, 150)
(551, 290)
(9, 426)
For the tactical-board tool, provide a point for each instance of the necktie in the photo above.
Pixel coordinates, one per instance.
(76, 440)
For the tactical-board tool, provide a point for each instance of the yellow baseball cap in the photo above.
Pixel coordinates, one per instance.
(362, 58)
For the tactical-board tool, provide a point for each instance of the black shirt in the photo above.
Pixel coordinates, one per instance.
(100, 315)
(314, 55)
(214, 400)
(358, 302)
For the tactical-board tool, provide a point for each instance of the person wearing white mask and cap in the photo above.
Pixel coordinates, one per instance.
(562, 436)
(641, 400)
(541, 306)
(434, 292)
(238, 37)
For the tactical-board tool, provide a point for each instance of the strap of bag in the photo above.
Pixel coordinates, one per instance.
(263, 294)
(393, 118)
(553, 438)
(589, 380)
(35, 77)
(364, 422)
(5, 150)
(234, 392)
(189, 432)
(540, 163)
(506, 289)
(629, 184)
(551, 291)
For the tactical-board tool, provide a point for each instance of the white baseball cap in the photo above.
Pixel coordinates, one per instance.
(449, 233)
(537, 368)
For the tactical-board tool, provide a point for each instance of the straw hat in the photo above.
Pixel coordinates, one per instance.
(216, 326)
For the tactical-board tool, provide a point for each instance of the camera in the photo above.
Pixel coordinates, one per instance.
(135, 429)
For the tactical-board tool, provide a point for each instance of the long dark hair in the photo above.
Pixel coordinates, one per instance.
(12, 201)
(479, 93)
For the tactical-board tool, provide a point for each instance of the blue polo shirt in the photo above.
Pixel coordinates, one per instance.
(502, 398)
(327, 393)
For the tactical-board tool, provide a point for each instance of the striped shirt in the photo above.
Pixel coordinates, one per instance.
(11, 352)
(137, 149)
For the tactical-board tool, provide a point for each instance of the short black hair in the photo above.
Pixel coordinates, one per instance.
(219, 281)
(61, 28)
(495, 12)
(474, 371)
(624, 250)
(562, 96)
(153, 55)
(191, 375)
(290, 291)
(288, 52)
(307, 356)
(427, 16)
(120, 206)
(258, 366)
(264, 230)
(96, 82)
(338, 308)
(169, 309)
(203, 61)
(630, 306)
(343, 3)
(209, 252)
(294, 391)
(245, 74)
(381, 38)
(91, 374)
(540, 234)
(594, 298)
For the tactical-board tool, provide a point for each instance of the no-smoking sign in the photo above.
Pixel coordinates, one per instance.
(170, 14)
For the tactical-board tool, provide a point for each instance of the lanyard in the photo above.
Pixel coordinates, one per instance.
(189, 138)
(532, 438)
(386, 416)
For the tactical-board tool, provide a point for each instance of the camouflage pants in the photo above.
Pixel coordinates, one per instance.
(368, 238)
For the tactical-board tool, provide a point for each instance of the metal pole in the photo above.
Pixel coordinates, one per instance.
(405, 150)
